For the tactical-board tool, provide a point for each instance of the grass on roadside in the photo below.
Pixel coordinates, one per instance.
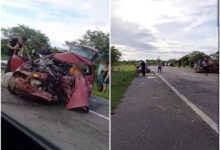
(186, 67)
(4, 57)
(95, 89)
(121, 76)
(98, 93)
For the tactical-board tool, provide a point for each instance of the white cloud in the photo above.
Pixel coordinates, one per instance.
(18, 4)
(179, 26)
(60, 21)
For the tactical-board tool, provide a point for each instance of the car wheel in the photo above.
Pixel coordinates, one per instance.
(86, 109)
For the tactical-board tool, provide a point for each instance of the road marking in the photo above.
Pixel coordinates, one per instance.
(95, 113)
(151, 77)
(206, 118)
(98, 114)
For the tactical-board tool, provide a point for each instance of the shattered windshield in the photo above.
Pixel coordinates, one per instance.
(84, 52)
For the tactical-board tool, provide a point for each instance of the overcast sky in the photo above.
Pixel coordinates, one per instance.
(147, 29)
(60, 20)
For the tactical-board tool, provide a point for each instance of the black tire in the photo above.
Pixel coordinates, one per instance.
(86, 109)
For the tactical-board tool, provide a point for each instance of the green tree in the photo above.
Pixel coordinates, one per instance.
(185, 60)
(4, 48)
(35, 38)
(115, 55)
(174, 61)
(197, 55)
(96, 39)
(215, 56)
(70, 44)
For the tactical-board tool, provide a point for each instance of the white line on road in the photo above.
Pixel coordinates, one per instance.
(100, 115)
(206, 118)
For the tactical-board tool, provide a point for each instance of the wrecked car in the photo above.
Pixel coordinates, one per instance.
(213, 67)
(50, 78)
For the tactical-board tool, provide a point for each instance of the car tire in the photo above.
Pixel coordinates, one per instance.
(86, 109)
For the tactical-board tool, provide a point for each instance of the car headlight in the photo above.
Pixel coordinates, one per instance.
(35, 75)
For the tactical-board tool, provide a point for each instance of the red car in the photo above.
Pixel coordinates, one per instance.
(48, 78)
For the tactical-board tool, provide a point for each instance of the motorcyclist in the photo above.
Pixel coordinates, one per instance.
(143, 68)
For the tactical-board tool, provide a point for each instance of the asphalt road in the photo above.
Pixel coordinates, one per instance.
(151, 116)
(69, 130)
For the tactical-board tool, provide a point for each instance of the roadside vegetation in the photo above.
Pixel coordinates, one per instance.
(99, 93)
(35, 39)
(122, 74)
(4, 57)
(95, 89)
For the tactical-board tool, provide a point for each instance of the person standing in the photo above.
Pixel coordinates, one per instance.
(179, 63)
(205, 66)
(106, 79)
(143, 65)
(198, 64)
(102, 73)
(192, 64)
(159, 65)
(15, 46)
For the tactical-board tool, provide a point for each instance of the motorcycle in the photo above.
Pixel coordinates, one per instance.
(139, 70)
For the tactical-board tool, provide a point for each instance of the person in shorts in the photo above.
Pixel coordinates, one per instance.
(106, 80)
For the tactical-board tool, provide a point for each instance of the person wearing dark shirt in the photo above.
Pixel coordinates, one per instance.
(192, 64)
(14, 46)
(143, 68)
(179, 63)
